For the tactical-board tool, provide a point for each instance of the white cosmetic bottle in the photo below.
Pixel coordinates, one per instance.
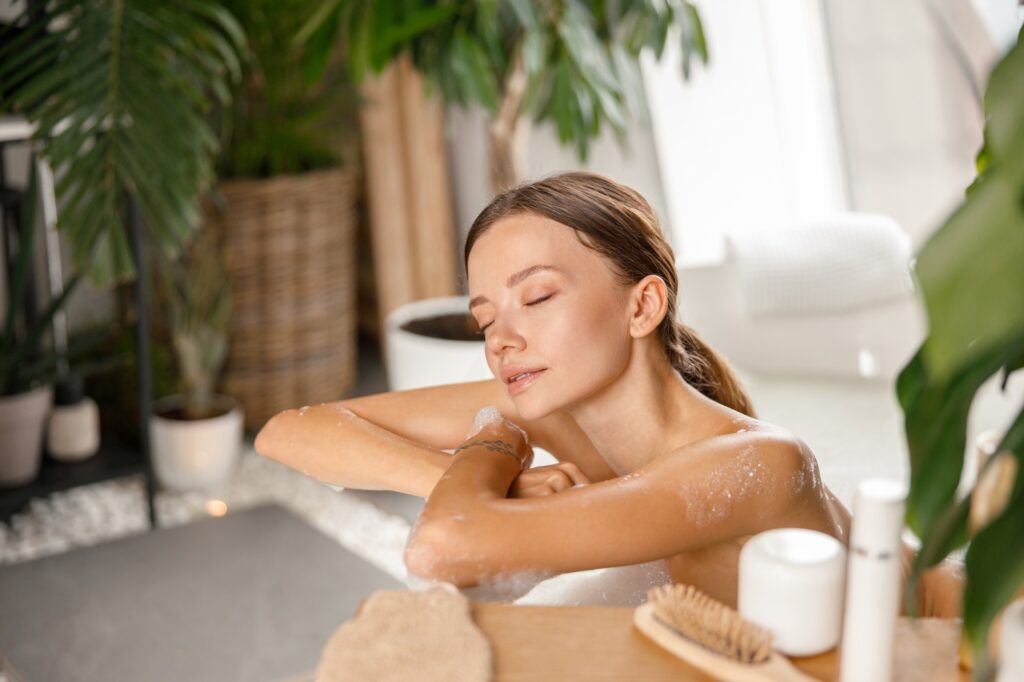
(73, 429)
(873, 581)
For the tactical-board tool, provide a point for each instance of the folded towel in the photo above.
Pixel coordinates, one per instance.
(848, 261)
(399, 635)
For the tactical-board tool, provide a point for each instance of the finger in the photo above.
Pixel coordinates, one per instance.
(559, 482)
(540, 490)
(574, 472)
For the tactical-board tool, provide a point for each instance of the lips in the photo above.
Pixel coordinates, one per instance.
(524, 382)
(511, 371)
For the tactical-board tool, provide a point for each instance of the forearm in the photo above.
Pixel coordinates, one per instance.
(333, 444)
(474, 476)
(456, 511)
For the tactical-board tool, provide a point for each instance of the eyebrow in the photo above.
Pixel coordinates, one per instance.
(515, 279)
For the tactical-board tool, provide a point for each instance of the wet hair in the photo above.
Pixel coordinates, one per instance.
(618, 223)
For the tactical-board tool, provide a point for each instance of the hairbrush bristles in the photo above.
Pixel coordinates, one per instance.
(710, 623)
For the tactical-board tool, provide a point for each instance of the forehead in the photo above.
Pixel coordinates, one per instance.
(519, 241)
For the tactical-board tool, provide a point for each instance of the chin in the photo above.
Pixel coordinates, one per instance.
(534, 407)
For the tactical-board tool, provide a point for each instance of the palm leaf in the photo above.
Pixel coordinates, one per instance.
(119, 97)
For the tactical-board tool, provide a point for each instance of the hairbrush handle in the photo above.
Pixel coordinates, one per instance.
(775, 669)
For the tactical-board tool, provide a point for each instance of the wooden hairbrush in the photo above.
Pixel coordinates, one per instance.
(713, 637)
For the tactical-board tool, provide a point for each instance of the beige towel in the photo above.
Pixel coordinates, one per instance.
(400, 635)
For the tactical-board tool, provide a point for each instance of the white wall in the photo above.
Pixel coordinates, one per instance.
(752, 140)
(912, 124)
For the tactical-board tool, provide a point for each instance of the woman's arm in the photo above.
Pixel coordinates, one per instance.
(701, 495)
(333, 444)
(397, 440)
(387, 441)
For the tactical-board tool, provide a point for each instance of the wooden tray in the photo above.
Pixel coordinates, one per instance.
(599, 643)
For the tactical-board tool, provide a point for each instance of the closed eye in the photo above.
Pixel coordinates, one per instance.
(531, 303)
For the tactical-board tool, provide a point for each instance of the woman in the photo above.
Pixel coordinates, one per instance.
(661, 456)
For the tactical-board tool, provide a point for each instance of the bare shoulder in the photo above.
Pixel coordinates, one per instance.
(762, 465)
(755, 441)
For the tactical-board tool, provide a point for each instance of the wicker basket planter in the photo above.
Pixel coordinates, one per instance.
(289, 250)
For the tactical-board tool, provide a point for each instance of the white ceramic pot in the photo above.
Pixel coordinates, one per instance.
(413, 360)
(194, 454)
(22, 423)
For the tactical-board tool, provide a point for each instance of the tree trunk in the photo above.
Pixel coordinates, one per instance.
(506, 136)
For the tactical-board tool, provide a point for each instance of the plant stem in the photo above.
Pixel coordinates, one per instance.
(505, 135)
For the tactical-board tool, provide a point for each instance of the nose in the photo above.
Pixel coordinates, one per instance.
(502, 335)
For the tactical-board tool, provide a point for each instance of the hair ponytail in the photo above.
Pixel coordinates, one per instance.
(618, 223)
(704, 368)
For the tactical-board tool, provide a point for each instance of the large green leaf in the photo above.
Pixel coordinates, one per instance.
(972, 277)
(119, 93)
(972, 269)
(473, 72)
(995, 569)
(935, 420)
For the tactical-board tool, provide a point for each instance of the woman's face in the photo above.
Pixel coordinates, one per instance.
(571, 319)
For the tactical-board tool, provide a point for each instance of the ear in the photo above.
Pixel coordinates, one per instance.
(649, 303)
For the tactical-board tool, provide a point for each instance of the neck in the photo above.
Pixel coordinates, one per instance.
(647, 412)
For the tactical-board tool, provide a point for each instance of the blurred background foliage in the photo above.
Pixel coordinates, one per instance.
(971, 273)
(294, 109)
(573, 62)
(121, 95)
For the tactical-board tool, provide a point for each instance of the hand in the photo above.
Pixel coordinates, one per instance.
(547, 480)
(499, 435)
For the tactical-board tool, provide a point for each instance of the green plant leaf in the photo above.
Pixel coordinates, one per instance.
(935, 420)
(535, 50)
(948, 532)
(995, 569)
(526, 13)
(82, 92)
(977, 255)
(473, 72)
(693, 41)
(562, 101)
(576, 31)
(628, 72)
(421, 20)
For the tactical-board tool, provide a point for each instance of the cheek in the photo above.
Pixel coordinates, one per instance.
(584, 341)
(588, 345)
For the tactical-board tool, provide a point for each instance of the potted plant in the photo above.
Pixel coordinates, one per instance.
(571, 62)
(285, 204)
(196, 434)
(971, 273)
(119, 97)
(26, 369)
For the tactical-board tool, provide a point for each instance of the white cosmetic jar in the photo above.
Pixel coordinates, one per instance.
(791, 582)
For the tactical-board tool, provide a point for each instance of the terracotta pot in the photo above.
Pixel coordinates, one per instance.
(23, 423)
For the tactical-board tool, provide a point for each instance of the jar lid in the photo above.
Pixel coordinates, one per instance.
(69, 390)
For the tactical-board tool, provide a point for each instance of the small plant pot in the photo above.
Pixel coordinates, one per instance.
(23, 423)
(431, 342)
(194, 454)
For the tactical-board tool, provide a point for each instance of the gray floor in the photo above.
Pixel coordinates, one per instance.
(249, 596)
(253, 595)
